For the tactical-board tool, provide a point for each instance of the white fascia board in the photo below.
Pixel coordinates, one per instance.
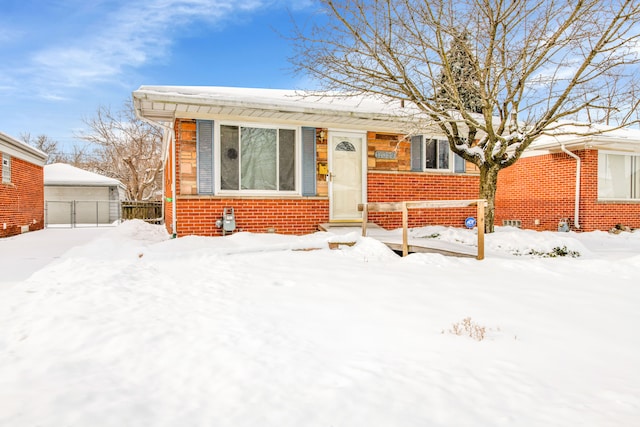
(285, 102)
(22, 151)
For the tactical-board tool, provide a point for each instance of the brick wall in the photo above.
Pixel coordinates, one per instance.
(22, 200)
(543, 188)
(397, 187)
(197, 215)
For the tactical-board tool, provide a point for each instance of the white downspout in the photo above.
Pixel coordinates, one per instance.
(173, 168)
(174, 210)
(576, 213)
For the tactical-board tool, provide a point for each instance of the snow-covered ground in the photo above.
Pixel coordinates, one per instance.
(136, 329)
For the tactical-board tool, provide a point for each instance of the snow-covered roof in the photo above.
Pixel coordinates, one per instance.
(164, 103)
(21, 150)
(579, 136)
(64, 174)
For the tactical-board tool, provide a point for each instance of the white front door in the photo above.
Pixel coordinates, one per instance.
(346, 175)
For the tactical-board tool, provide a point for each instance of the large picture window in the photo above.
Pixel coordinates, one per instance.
(618, 176)
(257, 159)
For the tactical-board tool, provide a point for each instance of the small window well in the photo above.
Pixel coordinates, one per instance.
(512, 223)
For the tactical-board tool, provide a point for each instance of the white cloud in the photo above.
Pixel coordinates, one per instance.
(131, 35)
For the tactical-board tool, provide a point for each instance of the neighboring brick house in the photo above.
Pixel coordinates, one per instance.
(286, 162)
(21, 187)
(539, 191)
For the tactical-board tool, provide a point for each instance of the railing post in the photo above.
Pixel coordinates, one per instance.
(405, 229)
(365, 219)
(480, 223)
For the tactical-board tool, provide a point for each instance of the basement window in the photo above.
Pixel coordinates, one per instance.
(6, 167)
(512, 223)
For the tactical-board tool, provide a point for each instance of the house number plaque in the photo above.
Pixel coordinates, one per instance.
(389, 155)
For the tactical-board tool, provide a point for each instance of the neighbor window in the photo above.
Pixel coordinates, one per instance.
(432, 154)
(6, 168)
(618, 176)
(257, 159)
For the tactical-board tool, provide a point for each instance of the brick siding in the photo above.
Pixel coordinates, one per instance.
(397, 187)
(22, 200)
(197, 215)
(543, 188)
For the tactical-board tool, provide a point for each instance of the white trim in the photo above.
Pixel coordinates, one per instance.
(620, 153)
(21, 151)
(614, 200)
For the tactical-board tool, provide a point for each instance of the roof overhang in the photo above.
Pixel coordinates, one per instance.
(591, 142)
(21, 150)
(164, 104)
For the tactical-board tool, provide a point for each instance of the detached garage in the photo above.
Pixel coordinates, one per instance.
(75, 196)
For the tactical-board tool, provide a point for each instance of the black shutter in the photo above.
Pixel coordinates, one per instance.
(416, 153)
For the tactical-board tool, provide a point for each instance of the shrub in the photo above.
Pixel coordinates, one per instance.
(555, 252)
(469, 328)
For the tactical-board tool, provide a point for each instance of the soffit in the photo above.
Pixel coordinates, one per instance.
(166, 108)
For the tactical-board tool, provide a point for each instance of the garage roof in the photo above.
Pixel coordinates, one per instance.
(64, 174)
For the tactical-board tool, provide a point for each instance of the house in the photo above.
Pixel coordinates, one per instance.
(286, 161)
(76, 196)
(21, 189)
(576, 178)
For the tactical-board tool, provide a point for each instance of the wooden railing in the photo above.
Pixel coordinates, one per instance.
(404, 207)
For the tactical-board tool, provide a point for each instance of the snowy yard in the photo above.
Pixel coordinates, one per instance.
(135, 329)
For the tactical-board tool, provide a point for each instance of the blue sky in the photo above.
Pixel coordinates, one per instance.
(62, 59)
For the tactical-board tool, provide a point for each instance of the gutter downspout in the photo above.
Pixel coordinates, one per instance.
(173, 169)
(576, 213)
(174, 210)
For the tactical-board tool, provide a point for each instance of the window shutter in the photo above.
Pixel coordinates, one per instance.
(204, 134)
(416, 153)
(308, 161)
(459, 165)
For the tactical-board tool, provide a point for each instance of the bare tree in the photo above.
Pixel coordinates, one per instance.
(618, 106)
(535, 63)
(46, 145)
(128, 149)
(79, 156)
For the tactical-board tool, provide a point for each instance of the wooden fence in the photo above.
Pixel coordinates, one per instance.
(404, 207)
(150, 212)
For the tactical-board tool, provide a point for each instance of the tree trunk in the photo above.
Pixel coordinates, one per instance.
(488, 186)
